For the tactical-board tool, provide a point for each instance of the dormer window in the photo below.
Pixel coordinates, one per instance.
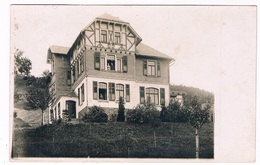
(103, 36)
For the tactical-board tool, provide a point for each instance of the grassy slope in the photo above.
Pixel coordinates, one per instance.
(114, 140)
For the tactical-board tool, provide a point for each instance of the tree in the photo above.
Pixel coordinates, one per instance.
(38, 95)
(121, 111)
(198, 117)
(22, 65)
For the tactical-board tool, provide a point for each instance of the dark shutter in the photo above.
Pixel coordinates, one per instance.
(97, 60)
(162, 96)
(125, 64)
(158, 69)
(145, 67)
(95, 91)
(79, 96)
(83, 93)
(127, 91)
(142, 99)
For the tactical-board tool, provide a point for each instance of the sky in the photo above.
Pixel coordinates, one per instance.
(198, 38)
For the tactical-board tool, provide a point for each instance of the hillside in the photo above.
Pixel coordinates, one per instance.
(24, 112)
(203, 95)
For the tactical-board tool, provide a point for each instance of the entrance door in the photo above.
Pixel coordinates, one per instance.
(71, 106)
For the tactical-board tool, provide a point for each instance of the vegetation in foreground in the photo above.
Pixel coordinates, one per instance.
(113, 139)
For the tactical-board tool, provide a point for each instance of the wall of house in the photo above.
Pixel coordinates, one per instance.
(61, 68)
(110, 74)
(134, 92)
(164, 68)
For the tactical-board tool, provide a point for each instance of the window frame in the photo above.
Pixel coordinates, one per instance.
(104, 37)
(117, 39)
(148, 93)
(119, 90)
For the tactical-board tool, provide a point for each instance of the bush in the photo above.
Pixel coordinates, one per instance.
(96, 114)
(121, 111)
(144, 113)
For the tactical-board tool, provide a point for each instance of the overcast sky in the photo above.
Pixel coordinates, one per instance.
(203, 40)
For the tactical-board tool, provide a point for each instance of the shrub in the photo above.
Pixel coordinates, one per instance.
(144, 113)
(174, 113)
(121, 111)
(96, 114)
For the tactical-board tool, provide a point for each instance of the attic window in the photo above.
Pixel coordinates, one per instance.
(117, 37)
(103, 36)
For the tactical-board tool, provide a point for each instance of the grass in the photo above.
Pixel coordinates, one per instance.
(113, 140)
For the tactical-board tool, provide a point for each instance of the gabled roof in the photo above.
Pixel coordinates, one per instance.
(109, 17)
(59, 49)
(144, 50)
(54, 49)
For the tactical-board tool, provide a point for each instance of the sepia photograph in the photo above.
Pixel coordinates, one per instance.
(131, 82)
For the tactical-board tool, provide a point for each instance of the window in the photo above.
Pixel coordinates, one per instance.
(76, 69)
(111, 91)
(73, 75)
(110, 62)
(152, 95)
(119, 91)
(151, 68)
(117, 37)
(142, 99)
(95, 90)
(81, 65)
(102, 90)
(55, 113)
(119, 63)
(162, 96)
(97, 60)
(103, 36)
(127, 92)
(82, 93)
(68, 77)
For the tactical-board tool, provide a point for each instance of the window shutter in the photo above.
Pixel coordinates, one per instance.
(162, 96)
(95, 93)
(97, 60)
(79, 96)
(158, 69)
(142, 97)
(125, 64)
(127, 91)
(83, 93)
(145, 67)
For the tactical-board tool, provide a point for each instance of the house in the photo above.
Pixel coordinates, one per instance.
(177, 96)
(106, 61)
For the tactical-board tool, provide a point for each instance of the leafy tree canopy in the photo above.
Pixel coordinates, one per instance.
(22, 65)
